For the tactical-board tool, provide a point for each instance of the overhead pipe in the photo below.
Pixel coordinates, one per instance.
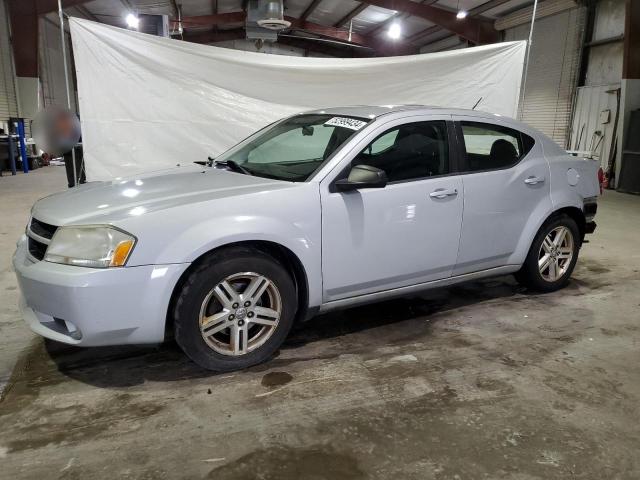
(526, 63)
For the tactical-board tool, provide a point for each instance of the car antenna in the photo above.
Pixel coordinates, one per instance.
(477, 103)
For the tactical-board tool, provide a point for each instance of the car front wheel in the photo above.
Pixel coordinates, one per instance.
(552, 256)
(235, 309)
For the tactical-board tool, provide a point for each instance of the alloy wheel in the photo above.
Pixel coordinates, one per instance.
(240, 313)
(556, 253)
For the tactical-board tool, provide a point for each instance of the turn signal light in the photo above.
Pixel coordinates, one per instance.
(121, 253)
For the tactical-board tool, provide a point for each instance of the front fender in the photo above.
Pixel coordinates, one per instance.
(197, 241)
(288, 218)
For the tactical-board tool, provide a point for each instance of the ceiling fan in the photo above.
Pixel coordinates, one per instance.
(266, 22)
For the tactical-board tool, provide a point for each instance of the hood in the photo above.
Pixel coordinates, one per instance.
(108, 202)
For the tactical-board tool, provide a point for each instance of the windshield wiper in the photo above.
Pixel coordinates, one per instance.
(207, 163)
(233, 165)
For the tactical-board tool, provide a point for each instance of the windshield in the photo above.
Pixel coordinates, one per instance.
(295, 148)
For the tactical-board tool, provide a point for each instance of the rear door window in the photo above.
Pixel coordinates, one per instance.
(493, 147)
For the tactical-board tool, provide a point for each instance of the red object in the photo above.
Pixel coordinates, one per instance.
(602, 180)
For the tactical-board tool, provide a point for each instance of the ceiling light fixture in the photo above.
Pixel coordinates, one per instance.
(461, 13)
(132, 21)
(394, 31)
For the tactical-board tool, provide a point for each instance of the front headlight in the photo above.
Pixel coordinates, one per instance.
(95, 246)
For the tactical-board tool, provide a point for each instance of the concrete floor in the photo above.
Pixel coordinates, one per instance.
(480, 381)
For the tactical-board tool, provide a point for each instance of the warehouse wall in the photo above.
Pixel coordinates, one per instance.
(605, 61)
(554, 66)
(8, 82)
(51, 66)
(596, 104)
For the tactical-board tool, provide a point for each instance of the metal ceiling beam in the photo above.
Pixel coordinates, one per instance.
(423, 33)
(390, 48)
(472, 29)
(309, 10)
(215, 36)
(380, 47)
(239, 17)
(351, 15)
(85, 12)
(474, 12)
(23, 15)
(329, 32)
(239, 34)
(480, 9)
(216, 19)
(47, 6)
(334, 51)
(300, 42)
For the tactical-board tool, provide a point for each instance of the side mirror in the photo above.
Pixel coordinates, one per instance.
(362, 176)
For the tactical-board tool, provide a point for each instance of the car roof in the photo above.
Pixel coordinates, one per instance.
(374, 111)
(400, 111)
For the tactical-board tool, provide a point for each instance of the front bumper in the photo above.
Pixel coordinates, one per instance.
(95, 307)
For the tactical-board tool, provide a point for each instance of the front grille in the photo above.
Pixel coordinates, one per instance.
(37, 249)
(39, 234)
(42, 229)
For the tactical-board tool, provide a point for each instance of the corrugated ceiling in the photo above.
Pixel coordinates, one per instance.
(327, 12)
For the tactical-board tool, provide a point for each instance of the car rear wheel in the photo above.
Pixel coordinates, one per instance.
(235, 309)
(552, 256)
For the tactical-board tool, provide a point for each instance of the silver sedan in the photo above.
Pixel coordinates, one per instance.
(323, 210)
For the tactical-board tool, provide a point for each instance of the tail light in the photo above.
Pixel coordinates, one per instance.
(601, 179)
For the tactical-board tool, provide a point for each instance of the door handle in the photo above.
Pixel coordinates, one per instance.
(533, 180)
(443, 193)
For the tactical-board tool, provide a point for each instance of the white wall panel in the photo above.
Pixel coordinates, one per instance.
(591, 103)
(605, 64)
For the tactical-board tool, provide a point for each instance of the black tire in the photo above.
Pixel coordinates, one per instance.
(212, 270)
(530, 275)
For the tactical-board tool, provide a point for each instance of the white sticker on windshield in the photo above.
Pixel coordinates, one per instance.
(345, 122)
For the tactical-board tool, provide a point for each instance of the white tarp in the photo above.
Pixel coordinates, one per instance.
(147, 102)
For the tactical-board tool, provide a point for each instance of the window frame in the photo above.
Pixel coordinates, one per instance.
(463, 159)
(453, 147)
